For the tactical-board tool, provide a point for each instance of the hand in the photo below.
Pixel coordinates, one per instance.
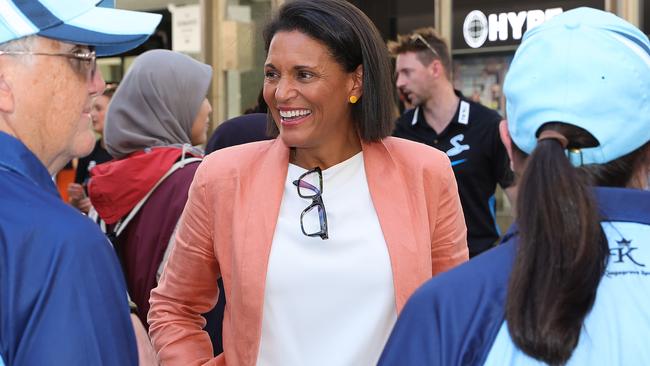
(77, 197)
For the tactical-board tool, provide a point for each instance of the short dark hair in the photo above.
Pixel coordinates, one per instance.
(411, 43)
(352, 40)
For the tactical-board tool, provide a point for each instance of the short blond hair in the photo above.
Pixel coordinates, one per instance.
(412, 43)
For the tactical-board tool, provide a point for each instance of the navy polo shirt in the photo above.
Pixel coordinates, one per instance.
(478, 157)
(63, 299)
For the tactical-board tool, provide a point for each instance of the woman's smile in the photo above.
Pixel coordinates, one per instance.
(293, 116)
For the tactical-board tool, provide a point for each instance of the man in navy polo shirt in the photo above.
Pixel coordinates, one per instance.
(62, 294)
(467, 131)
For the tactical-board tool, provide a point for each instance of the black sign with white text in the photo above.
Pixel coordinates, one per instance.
(486, 25)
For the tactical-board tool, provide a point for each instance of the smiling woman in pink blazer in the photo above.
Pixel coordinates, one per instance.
(322, 234)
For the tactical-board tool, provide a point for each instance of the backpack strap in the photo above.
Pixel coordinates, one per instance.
(170, 245)
(119, 227)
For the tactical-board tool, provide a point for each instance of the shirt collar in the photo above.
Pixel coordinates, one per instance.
(461, 116)
(16, 157)
(416, 112)
(623, 204)
(615, 204)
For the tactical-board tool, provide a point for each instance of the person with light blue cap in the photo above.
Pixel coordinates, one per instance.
(572, 283)
(62, 294)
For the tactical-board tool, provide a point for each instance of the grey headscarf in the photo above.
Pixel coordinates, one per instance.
(156, 103)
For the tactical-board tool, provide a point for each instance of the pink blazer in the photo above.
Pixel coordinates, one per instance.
(227, 229)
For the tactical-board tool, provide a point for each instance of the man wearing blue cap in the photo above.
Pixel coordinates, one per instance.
(62, 294)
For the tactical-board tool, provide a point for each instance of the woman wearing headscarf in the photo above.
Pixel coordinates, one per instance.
(159, 111)
(322, 233)
(571, 283)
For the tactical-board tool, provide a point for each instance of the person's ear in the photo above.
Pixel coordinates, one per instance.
(437, 69)
(357, 82)
(645, 162)
(506, 139)
(6, 96)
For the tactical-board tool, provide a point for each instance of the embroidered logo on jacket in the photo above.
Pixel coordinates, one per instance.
(628, 264)
(624, 251)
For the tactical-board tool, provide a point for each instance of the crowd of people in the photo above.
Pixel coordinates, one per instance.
(322, 228)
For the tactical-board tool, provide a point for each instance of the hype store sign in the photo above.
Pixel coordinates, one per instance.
(501, 28)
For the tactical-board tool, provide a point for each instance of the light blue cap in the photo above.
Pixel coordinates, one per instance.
(110, 31)
(587, 68)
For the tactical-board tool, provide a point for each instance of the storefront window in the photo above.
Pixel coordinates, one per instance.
(244, 82)
(393, 17)
(480, 78)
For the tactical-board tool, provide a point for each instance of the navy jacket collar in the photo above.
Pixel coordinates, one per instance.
(458, 119)
(17, 158)
(615, 204)
(621, 204)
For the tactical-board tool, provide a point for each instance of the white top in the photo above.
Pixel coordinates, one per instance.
(328, 302)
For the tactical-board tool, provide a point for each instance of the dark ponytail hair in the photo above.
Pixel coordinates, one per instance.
(561, 254)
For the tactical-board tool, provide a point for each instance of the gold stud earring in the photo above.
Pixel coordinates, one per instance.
(353, 99)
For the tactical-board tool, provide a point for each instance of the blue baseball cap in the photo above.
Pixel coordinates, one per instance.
(110, 31)
(587, 68)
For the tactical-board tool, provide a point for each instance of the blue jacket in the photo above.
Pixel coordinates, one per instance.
(62, 295)
(458, 318)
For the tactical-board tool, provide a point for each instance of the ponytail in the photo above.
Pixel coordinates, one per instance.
(562, 252)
